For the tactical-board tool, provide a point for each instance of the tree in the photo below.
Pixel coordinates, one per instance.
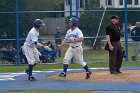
(7, 23)
(26, 19)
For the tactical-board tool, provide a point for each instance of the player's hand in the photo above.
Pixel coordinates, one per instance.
(47, 48)
(71, 41)
(59, 47)
(111, 47)
(67, 41)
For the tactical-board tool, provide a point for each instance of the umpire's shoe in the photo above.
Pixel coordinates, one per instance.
(62, 75)
(31, 78)
(114, 72)
(88, 74)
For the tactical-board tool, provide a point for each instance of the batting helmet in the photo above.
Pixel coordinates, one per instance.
(38, 22)
(74, 21)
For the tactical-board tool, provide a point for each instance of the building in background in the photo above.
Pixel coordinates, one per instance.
(82, 4)
(120, 3)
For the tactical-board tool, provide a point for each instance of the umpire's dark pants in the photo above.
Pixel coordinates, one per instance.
(115, 57)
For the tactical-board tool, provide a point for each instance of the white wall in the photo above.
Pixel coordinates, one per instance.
(116, 4)
(102, 3)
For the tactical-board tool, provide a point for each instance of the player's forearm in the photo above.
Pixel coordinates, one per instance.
(63, 42)
(108, 40)
(76, 40)
(39, 45)
(79, 40)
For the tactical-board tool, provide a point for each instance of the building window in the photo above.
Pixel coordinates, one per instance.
(67, 2)
(86, 2)
(136, 2)
(82, 3)
(121, 2)
(129, 2)
(109, 2)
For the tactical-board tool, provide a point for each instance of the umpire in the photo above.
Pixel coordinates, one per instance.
(113, 35)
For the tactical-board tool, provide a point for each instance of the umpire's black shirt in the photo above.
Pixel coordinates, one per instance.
(114, 32)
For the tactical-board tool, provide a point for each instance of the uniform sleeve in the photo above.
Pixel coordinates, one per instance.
(108, 32)
(34, 37)
(80, 34)
(66, 37)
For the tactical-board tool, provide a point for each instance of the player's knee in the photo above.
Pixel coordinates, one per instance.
(32, 62)
(65, 61)
(82, 63)
(36, 61)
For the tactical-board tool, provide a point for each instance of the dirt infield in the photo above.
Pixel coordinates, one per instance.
(103, 76)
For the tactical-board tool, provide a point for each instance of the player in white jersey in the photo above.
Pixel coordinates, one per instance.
(74, 37)
(29, 47)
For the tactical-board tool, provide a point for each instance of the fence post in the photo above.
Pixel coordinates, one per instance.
(70, 8)
(77, 8)
(17, 35)
(126, 30)
(72, 60)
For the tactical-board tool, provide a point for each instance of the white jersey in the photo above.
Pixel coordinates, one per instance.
(74, 34)
(31, 38)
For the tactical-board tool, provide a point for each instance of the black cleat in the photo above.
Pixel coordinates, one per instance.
(88, 74)
(118, 71)
(114, 72)
(31, 78)
(26, 71)
(62, 75)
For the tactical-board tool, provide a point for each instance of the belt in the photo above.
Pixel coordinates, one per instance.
(74, 46)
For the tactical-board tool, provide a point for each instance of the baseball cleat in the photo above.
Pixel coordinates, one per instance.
(62, 75)
(88, 74)
(32, 78)
(118, 71)
(114, 72)
(26, 71)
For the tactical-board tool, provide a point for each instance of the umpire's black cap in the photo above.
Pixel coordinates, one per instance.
(115, 17)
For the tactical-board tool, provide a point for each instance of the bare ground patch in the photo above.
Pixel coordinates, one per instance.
(103, 76)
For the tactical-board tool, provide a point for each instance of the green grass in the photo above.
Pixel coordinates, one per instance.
(89, 55)
(59, 66)
(93, 55)
(99, 58)
(68, 91)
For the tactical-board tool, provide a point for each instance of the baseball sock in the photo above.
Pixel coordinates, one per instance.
(65, 67)
(30, 70)
(86, 68)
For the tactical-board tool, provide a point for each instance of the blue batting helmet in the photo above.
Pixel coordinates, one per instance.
(74, 21)
(38, 22)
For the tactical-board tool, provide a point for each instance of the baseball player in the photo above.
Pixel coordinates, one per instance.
(74, 37)
(29, 47)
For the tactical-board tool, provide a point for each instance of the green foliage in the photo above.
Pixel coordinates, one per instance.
(92, 4)
(89, 22)
(8, 23)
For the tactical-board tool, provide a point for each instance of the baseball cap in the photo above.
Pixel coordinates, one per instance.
(38, 22)
(114, 17)
(74, 21)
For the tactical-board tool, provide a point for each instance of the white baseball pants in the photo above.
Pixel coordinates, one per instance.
(32, 55)
(77, 52)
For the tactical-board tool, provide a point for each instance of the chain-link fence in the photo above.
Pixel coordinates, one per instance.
(93, 16)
